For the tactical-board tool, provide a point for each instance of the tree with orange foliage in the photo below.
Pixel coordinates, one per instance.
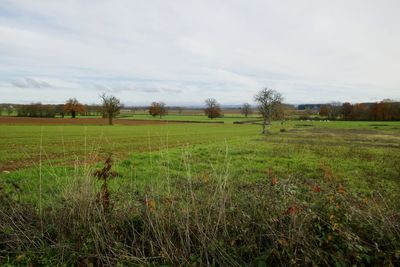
(158, 109)
(154, 109)
(324, 110)
(73, 107)
(360, 112)
(213, 109)
(386, 110)
(347, 110)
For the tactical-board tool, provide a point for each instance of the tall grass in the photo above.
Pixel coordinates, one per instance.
(200, 219)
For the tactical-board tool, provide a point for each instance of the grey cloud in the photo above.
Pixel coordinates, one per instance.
(137, 88)
(172, 90)
(102, 88)
(31, 83)
(125, 88)
(148, 90)
(154, 90)
(134, 88)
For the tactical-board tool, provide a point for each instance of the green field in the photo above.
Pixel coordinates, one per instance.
(304, 147)
(40, 165)
(228, 118)
(174, 116)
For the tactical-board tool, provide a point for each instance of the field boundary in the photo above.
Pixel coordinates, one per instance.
(89, 121)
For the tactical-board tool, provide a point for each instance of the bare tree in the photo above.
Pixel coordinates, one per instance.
(269, 102)
(163, 109)
(212, 110)
(73, 107)
(110, 107)
(246, 109)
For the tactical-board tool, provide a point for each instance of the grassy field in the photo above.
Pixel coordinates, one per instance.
(333, 186)
(228, 118)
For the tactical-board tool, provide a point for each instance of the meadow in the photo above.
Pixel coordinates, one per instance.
(306, 193)
(228, 118)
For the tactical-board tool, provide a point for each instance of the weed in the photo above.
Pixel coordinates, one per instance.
(104, 174)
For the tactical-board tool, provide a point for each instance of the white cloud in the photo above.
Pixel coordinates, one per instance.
(311, 51)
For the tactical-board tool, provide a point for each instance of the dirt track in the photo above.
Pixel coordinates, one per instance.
(80, 121)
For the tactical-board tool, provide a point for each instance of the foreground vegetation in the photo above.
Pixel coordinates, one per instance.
(318, 193)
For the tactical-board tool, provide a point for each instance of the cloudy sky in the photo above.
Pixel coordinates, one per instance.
(183, 51)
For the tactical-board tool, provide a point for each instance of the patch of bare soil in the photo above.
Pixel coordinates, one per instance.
(13, 165)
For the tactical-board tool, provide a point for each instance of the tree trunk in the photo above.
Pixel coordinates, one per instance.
(110, 119)
(73, 114)
(263, 126)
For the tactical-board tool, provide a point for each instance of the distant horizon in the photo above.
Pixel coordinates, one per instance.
(193, 105)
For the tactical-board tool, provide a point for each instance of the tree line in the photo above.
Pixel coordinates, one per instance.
(109, 108)
(269, 105)
(385, 110)
(51, 111)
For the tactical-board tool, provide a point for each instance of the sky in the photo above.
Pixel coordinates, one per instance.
(184, 51)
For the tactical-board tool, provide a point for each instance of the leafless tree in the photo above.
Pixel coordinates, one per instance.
(246, 109)
(163, 109)
(269, 102)
(110, 107)
(213, 109)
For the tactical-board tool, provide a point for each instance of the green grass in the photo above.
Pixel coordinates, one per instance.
(23, 142)
(361, 154)
(200, 166)
(228, 118)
